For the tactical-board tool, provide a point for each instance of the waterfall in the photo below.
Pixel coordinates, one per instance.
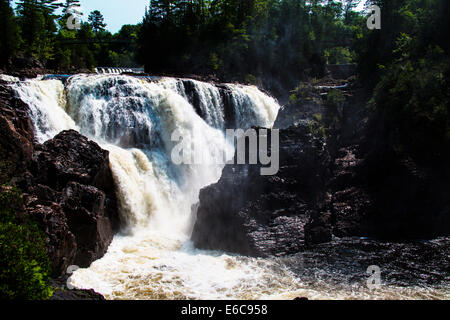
(206, 98)
(134, 118)
(153, 258)
(46, 101)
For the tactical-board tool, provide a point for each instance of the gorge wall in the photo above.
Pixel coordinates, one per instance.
(340, 176)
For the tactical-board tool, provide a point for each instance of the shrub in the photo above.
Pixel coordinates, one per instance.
(24, 264)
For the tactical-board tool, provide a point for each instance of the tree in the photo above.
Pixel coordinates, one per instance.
(406, 64)
(9, 34)
(37, 26)
(242, 39)
(70, 4)
(32, 26)
(349, 6)
(69, 8)
(97, 21)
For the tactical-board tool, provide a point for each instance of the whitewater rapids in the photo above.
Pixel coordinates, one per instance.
(152, 258)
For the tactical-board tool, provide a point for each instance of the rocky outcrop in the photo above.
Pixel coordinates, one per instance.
(69, 189)
(25, 67)
(16, 132)
(67, 186)
(62, 293)
(355, 185)
(265, 215)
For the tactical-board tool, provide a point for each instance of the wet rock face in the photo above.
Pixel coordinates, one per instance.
(67, 186)
(25, 67)
(16, 131)
(61, 243)
(70, 157)
(343, 263)
(87, 219)
(70, 176)
(258, 215)
(357, 185)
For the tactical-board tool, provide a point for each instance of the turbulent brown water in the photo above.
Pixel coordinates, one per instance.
(153, 258)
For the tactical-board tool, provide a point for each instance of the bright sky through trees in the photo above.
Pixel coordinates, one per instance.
(116, 12)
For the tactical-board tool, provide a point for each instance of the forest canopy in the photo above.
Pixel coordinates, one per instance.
(40, 29)
(230, 39)
(284, 39)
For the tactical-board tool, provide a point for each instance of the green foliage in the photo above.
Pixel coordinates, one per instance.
(335, 98)
(408, 64)
(9, 35)
(39, 32)
(97, 21)
(25, 268)
(339, 55)
(304, 91)
(24, 264)
(251, 79)
(317, 126)
(235, 38)
(280, 39)
(36, 19)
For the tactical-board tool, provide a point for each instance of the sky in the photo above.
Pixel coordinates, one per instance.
(116, 12)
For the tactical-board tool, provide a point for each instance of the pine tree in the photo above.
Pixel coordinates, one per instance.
(32, 26)
(97, 21)
(9, 34)
(70, 4)
(37, 25)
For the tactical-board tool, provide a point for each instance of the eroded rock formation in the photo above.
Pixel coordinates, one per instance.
(354, 185)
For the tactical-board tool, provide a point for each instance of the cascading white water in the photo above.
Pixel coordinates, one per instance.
(153, 258)
(134, 120)
(262, 115)
(45, 99)
(209, 100)
(128, 112)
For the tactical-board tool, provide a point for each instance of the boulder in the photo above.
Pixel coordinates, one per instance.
(73, 173)
(84, 207)
(16, 133)
(71, 157)
(61, 243)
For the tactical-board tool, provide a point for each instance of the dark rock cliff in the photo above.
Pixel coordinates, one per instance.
(67, 186)
(355, 184)
(265, 215)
